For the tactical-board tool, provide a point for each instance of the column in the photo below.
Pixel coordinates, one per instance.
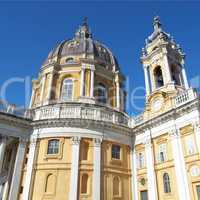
(18, 167)
(197, 135)
(32, 98)
(2, 151)
(3, 141)
(50, 86)
(146, 76)
(73, 193)
(82, 86)
(185, 80)
(92, 82)
(42, 89)
(7, 183)
(152, 186)
(117, 90)
(134, 175)
(97, 169)
(29, 170)
(181, 174)
(167, 72)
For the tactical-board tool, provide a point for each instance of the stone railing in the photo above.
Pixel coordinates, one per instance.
(80, 111)
(185, 97)
(14, 110)
(181, 99)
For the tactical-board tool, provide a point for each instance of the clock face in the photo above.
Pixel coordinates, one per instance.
(157, 104)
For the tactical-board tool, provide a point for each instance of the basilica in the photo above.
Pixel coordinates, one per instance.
(76, 141)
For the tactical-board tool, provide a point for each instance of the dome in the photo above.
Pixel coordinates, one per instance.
(84, 47)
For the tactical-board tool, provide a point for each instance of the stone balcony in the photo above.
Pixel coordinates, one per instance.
(12, 109)
(75, 110)
(181, 99)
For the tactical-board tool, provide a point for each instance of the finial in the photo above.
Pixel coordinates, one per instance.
(156, 23)
(83, 31)
(85, 21)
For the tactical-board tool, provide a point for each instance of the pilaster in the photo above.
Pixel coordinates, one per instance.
(42, 88)
(146, 76)
(3, 141)
(181, 174)
(73, 193)
(30, 165)
(17, 171)
(97, 169)
(134, 175)
(152, 185)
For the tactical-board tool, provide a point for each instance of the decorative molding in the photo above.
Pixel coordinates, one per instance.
(75, 140)
(97, 141)
(174, 133)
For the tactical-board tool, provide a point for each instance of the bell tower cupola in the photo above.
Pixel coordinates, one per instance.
(163, 62)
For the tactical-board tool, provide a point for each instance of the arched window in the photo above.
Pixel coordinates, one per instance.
(158, 77)
(116, 186)
(67, 90)
(69, 60)
(176, 74)
(101, 95)
(53, 146)
(84, 184)
(166, 183)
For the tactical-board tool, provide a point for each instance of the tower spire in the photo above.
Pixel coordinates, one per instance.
(85, 21)
(156, 23)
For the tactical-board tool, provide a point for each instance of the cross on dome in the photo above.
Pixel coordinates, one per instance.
(84, 31)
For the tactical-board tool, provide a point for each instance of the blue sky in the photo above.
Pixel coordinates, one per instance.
(28, 31)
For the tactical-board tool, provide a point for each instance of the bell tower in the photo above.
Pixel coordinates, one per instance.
(163, 62)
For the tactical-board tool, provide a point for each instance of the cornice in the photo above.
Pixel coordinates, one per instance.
(81, 123)
(167, 116)
(14, 120)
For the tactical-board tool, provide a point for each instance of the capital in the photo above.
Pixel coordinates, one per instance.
(75, 140)
(147, 141)
(97, 141)
(174, 133)
(3, 139)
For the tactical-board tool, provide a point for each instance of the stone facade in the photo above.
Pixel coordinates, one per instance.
(77, 142)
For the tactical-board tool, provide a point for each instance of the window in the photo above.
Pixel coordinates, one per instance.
(84, 184)
(116, 151)
(144, 195)
(116, 186)
(67, 90)
(140, 160)
(69, 60)
(101, 93)
(190, 146)
(158, 77)
(166, 183)
(53, 147)
(176, 75)
(198, 191)
(162, 153)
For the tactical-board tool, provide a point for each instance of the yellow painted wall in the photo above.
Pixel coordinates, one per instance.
(115, 168)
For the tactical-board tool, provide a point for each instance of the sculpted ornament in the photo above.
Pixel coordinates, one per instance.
(195, 171)
(147, 141)
(97, 141)
(76, 140)
(174, 133)
(197, 127)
